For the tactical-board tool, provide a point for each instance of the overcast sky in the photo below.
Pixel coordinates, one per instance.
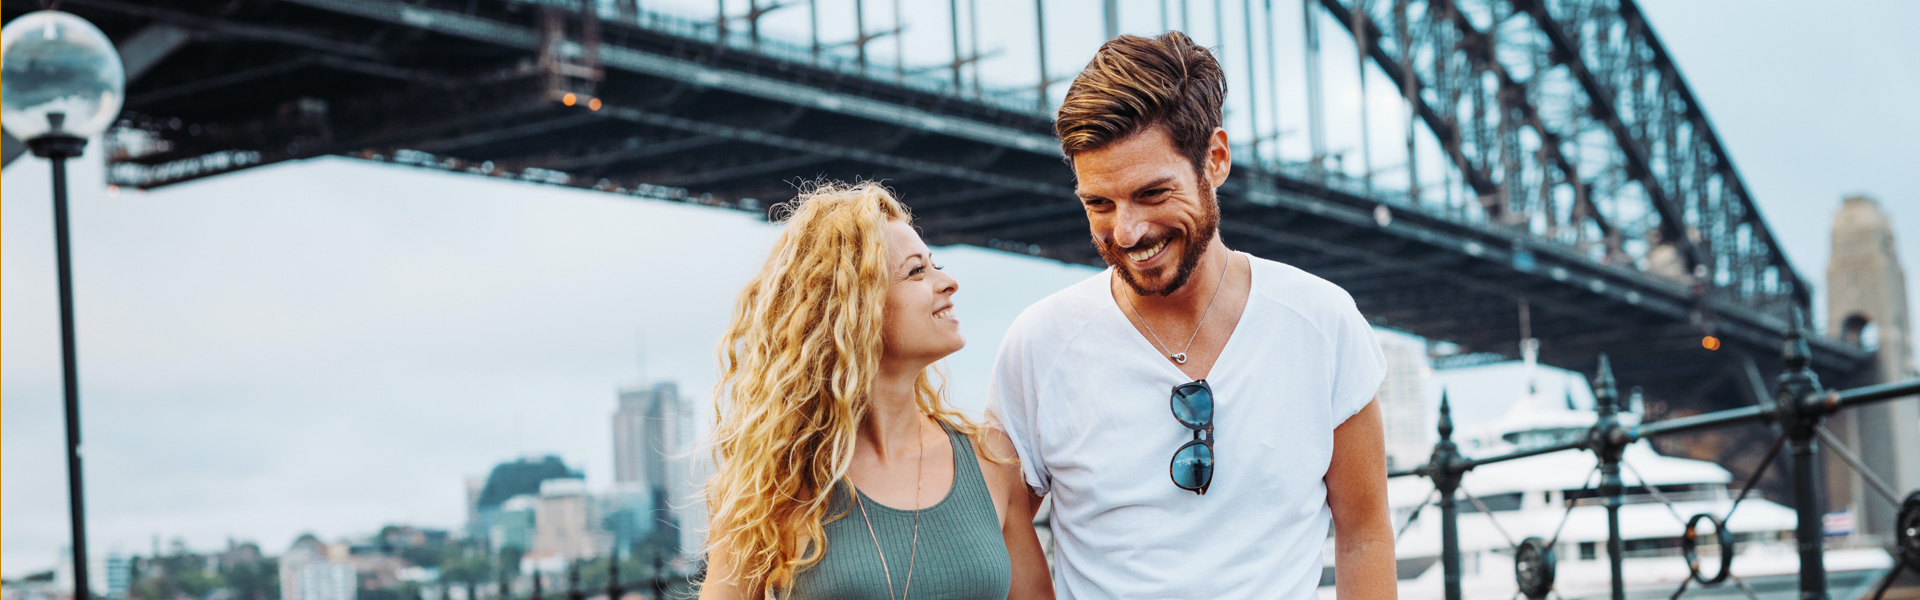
(333, 345)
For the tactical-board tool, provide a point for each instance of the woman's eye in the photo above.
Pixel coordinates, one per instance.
(939, 267)
(916, 271)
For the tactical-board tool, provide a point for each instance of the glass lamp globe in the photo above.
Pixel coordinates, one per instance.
(60, 73)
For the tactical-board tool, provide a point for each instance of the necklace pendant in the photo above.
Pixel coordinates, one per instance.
(1180, 358)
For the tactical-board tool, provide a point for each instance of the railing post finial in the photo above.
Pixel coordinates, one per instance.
(1795, 351)
(1608, 440)
(1606, 393)
(1445, 471)
(1799, 420)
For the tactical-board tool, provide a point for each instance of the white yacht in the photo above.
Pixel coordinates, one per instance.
(1557, 492)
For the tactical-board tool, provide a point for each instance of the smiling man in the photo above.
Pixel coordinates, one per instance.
(1199, 416)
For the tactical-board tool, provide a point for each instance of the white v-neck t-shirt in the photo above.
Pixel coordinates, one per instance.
(1085, 398)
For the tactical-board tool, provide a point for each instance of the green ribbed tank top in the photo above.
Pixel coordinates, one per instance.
(962, 555)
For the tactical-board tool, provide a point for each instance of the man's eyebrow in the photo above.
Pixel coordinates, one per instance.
(1161, 182)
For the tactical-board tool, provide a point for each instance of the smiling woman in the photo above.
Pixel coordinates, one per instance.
(841, 464)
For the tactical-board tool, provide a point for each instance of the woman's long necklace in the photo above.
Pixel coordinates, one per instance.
(913, 551)
(1181, 357)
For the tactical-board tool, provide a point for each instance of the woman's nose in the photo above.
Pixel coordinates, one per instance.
(948, 284)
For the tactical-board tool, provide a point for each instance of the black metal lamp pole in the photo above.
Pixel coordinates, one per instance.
(57, 147)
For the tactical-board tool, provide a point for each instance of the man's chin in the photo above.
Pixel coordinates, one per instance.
(1151, 282)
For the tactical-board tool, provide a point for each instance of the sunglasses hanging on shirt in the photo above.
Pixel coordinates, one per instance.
(1192, 466)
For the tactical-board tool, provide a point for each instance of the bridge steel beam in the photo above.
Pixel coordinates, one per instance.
(1620, 80)
(836, 151)
(614, 56)
(1559, 272)
(208, 27)
(1559, 225)
(1645, 132)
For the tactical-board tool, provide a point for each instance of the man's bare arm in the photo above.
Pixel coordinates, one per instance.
(1357, 494)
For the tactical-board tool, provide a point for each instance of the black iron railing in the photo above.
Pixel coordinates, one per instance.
(1798, 406)
(657, 586)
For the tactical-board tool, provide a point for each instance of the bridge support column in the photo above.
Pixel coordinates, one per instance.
(1867, 306)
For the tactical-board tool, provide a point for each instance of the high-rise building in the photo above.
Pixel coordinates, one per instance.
(691, 502)
(119, 575)
(653, 469)
(474, 485)
(649, 428)
(1402, 405)
(513, 526)
(564, 521)
(522, 476)
(312, 571)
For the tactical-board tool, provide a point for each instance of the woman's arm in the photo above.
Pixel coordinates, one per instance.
(1357, 494)
(1031, 578)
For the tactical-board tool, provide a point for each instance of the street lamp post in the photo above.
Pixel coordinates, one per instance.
(63, 82)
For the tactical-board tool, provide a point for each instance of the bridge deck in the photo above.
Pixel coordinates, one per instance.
(668, 112)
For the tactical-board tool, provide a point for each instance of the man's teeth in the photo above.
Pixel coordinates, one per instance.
(945, 313)
(1148, 252)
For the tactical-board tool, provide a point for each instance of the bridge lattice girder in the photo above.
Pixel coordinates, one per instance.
(1568, 120)
(1558, 215)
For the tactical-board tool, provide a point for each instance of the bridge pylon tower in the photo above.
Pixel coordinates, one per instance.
(1867, 306)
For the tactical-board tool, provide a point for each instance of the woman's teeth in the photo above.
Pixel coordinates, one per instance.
(945, 313)
(1148, 252)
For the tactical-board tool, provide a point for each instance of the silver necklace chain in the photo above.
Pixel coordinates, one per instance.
(1181, 357)
(913, 551)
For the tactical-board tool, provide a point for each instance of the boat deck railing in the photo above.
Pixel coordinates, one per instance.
(1798, 406)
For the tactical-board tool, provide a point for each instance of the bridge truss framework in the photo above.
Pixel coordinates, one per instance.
(1582, 179)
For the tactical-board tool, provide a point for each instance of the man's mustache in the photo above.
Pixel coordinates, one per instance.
(1143, 243)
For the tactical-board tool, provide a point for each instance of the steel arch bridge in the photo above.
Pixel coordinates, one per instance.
(1578, 179)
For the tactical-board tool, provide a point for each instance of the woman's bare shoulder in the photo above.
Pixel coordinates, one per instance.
(998, 460)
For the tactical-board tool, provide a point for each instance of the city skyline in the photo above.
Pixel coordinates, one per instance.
(231, 373)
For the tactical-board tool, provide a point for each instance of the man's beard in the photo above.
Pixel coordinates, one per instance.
(1191, 247)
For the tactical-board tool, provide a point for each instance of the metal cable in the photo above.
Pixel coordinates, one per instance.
(1683, 588)
(1656, 492)
(1489, 513)
(1887, 582)
(1415, 516)
(1742, 583)
(1555, 540)
(1853, 460)
(1772, 452)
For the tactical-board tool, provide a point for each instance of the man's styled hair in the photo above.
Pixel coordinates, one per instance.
(1134, 83)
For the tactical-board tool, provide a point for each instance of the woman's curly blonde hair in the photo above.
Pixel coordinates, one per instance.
(796, 369)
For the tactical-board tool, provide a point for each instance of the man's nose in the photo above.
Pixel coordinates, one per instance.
(1130, 227)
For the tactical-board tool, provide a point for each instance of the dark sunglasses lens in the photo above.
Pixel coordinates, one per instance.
(1193, 405)
(1193, 467)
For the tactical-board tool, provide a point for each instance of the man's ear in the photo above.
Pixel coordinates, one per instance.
(1219, 157)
